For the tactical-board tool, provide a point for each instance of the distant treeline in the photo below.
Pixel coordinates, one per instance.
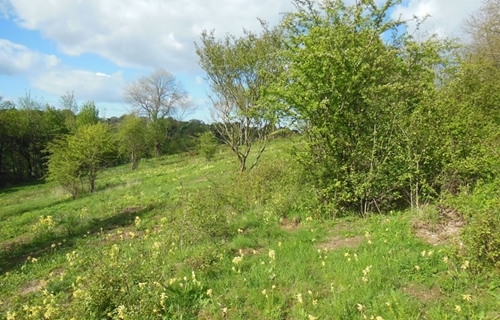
(27, 128)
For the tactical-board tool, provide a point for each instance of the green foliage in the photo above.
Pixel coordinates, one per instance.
(481, 236)
(88, 115)
(207, 145)
(132, 137)
(386, 127)
(467, 126)
(114, 289)
(238, 69)
(81, 156)
(200, 216)
(24, 134)
(156, 135)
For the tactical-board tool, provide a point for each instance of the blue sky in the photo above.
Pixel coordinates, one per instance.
(94, 47)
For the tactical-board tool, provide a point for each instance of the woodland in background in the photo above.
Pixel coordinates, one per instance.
(28, 127)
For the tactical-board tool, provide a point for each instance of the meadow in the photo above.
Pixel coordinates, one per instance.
(183, 238)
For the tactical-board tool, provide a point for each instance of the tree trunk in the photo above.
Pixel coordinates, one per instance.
(157, 149)
(92, 183)
(133, 161)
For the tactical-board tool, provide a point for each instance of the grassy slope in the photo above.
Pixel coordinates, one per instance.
(182, 238)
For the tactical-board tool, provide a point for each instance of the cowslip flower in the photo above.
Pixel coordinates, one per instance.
(465, 265)
(299, 298)
(272, 255)
(237, 260)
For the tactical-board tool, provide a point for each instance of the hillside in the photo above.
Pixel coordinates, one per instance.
(182, 238)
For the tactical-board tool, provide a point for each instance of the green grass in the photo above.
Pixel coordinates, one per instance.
(181, 238)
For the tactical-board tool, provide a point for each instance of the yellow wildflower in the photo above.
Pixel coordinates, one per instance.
(467, 297)
(465, 265)
(299, 298)
(272, 255)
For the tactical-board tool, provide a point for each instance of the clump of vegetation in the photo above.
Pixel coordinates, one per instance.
(132, 137)
(481, 236)
(207, 145)
(79, 157)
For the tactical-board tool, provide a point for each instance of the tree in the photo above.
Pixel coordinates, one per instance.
(88, 115)
(69, 108)
(157, 96)
(24, 134)
(68, 102)
(132, 138)
(207, 145)
(354, 86)
(74, 158)
(483, 28)
(238, 70)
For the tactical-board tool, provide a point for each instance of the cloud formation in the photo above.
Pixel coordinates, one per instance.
(445, 16)
(16, 59)
(146, 33)
(161, 33)
(87, 85)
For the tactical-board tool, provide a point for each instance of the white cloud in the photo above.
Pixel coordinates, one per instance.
(4, 8)
(446, 16)
(86, 85)
(161, 33)
(16, 59)
(146, 33)
(100, 74)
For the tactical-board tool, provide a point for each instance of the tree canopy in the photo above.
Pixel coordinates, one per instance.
(238, 70)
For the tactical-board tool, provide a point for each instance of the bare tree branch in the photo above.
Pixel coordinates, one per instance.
(157, 96)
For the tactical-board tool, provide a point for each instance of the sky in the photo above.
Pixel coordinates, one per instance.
(93, 48)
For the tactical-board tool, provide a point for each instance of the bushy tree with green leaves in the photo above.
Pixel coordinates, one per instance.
(81, 156)
(207, 145)
(354, 77)
(238, 69)
(132, 137)
(25, 130)
(88, 114)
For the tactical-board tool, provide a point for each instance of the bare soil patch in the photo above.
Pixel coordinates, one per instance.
(37, 285)
(338, 242)
(446, 230)
(423, 293)
(341, 237)
(290, 224)
(32, 286)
